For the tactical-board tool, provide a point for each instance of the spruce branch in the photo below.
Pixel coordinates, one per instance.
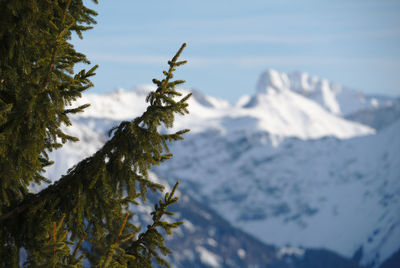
(113, 246)
(98, 189)
(56, 251)
(61, 33)
(144, 247)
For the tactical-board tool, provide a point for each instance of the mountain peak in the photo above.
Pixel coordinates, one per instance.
(333, 97)
(272, 81)
(303, 82)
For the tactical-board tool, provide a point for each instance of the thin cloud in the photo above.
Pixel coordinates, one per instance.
(246, 61)
(259, 38)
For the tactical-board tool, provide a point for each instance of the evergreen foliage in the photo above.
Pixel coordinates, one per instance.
(88, 212)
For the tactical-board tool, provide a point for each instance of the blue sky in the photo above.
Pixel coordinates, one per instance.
(230, 42)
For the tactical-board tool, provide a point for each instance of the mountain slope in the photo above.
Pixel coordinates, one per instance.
(380, 117)
(205, 239)
(285, 113)
(337, 194)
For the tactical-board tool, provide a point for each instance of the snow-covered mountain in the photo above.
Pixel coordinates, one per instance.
(283, 113)
(338, 194)
(280, 165)
(333, 97)
(205, 240)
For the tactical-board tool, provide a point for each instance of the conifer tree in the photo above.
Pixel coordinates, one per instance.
(87, 213)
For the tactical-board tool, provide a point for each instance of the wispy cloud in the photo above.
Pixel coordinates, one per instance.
(247, 61)
(262, 61)
(243, 38)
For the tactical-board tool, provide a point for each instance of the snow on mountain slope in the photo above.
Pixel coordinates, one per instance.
(380, 117)
(277, 167)
(335, 98)
(205, 239)
(338, 194)
(285, 113)
(282, 112)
